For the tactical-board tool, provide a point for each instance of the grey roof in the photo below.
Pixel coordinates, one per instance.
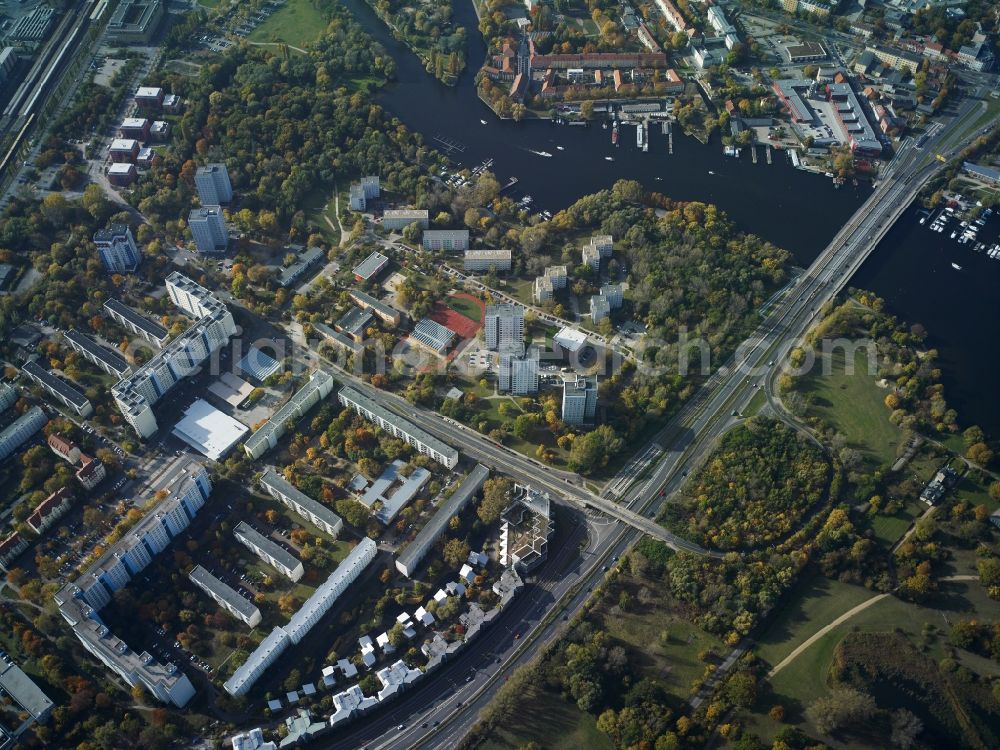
(223, 591)
(112, 359)
(285, 558)
(53, 383)
(139, 321)
(355, 320)
(272, 478)
(336, 337)
(371, 265)
(433, 334)
(303, 263)
(23, 690)
(434, 528)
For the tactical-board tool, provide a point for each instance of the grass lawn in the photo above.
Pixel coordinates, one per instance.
(466, 307)
(855, 406)
(805, 679)
(298, 23)
(554, 723)
(888, 529)
(758, 401)
(814, 605)
(673, 661)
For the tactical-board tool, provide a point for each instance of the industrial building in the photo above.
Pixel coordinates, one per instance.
(320, 386)
(410, 558)
(303, 620)
(208, 229)
(135, 323)
(225, 596)
(300, 503)
(400, 218)
(58, 388)
(79, 602)
(135, 21)
(213, 185)
(208, 430)
(117, 248)
(452, 240)
(108, 360)
(579, 401)
(399, 427)
(269, 551)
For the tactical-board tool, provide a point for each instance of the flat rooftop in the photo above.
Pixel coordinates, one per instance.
(208, 430)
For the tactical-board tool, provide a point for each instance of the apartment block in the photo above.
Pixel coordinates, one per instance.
(213, 185)
(135, 323)
(450, 240)
(487, 260)
(117, 248)
(269, 551)
(320, 386)
(518, 374)
(214, 326)
(317, 605)
(300, 503)
(21, 431)
(225, 596)
(79, 602)
(58, 388)
(208, 229)
(398, 427)
(106, 359)
(395, 219)
(579, 402)
(504, 326)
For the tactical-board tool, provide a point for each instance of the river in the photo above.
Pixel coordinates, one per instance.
(797, 210)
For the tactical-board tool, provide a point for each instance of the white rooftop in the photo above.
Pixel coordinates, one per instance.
(570, 339)
(123, 144)
(208, 430)
(120, 168)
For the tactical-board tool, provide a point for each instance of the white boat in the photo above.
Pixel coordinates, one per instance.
(923, 219)
(483, 122)
(609, 158)
(953, 234)
(560, 148)
(956, 266)
(711, 172)
(540, 153)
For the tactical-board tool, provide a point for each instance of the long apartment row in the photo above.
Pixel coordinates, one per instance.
(188, 487)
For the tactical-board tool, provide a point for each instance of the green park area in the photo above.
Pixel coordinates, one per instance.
(298, 23)
(546, 718)
(853, 404)
(467, 307)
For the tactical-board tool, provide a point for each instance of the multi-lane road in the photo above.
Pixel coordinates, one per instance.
(434, 716)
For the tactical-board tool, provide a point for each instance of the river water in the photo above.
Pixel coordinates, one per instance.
(797, 210)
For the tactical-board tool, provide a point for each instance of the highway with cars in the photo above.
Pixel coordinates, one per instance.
(429, 717)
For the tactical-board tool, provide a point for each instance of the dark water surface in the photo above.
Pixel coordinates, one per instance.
(797, 210)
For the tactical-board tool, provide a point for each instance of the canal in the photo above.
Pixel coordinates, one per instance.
(795, 209)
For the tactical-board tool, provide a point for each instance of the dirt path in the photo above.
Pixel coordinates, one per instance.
(823, 631)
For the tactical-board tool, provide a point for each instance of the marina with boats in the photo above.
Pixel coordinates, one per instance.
(964, 231)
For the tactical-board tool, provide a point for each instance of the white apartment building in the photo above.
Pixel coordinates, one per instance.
(213, 185)
(117, 248)
(517, 374)
(579, 402)
(208, 228)
(300, 503)
(269, 551)
(21, 430)
(317, 605)
(225, 596)
(398, 427)
(504, 326)
(320, 386)
(136, 394)
(455, 240)
(485, 260)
